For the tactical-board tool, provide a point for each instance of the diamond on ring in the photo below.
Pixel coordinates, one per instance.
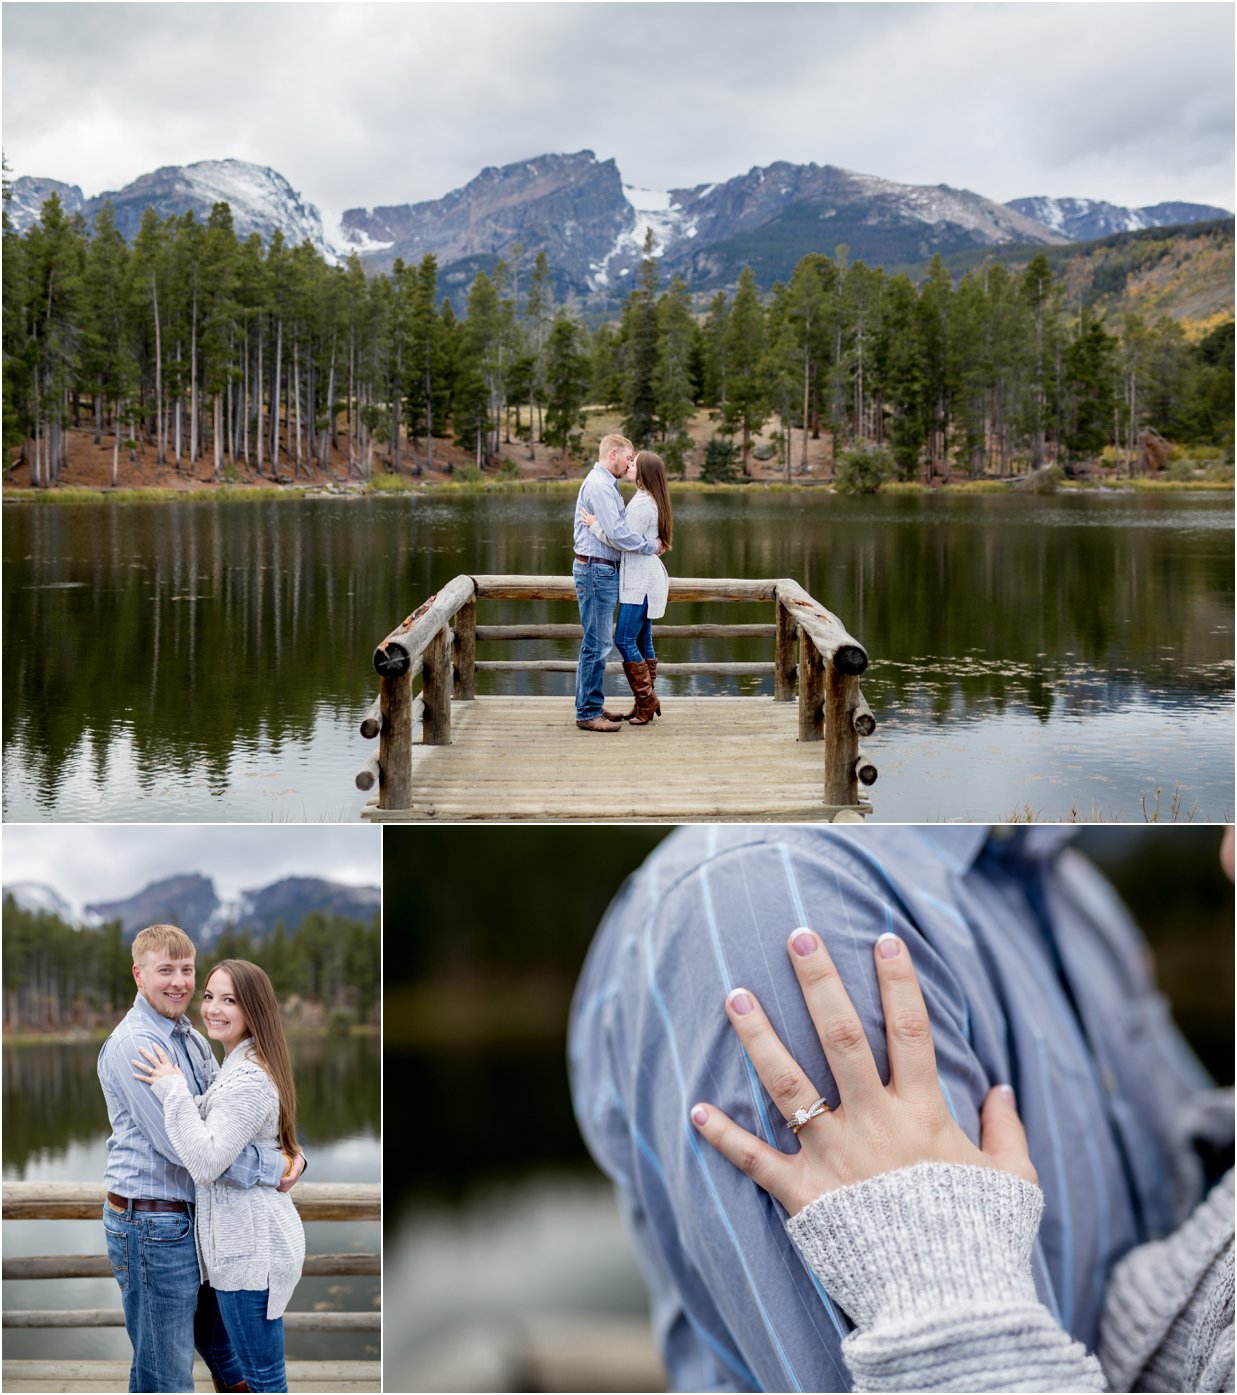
(801, 1116)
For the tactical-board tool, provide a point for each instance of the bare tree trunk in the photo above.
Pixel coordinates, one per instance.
(217, 434)
(194, 444)
(161, 453)
(116, 449)
(260, 429)
(296, 403)
(275, 403)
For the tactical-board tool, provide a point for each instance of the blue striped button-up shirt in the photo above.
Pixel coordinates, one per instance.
(1033, 974)
(141, 1162)
(599, 494)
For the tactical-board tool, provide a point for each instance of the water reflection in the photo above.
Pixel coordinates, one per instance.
(211, 661)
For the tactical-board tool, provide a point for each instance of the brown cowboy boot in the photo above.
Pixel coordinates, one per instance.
(601, 723)
(219, 1385)
(642, 690)
(627, 716)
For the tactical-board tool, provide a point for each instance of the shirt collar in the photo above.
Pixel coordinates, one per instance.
(157, 1022)
(597, 465)
(962, 844)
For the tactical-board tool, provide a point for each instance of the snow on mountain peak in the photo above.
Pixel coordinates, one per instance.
(652, 210)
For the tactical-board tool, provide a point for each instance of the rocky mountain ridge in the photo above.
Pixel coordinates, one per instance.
(191, 901)
(592, 226)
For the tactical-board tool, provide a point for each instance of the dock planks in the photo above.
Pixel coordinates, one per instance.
(714, 759)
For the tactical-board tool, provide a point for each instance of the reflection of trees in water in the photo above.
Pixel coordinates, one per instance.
(204, 628)
(52, 1097)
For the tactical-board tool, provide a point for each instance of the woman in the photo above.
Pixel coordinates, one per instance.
(643, 583)
(251, 1243)
(925, 1240)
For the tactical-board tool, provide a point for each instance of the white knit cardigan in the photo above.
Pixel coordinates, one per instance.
(248, 1238)
(641, 574)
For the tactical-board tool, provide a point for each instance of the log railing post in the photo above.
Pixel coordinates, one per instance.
(811, 688)
(395, 743)
(783, 654)
(464, 652)
(436, 690)
(842, 698)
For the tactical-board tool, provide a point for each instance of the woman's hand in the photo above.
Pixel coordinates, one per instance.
(871, 1128)
(156, 1066)
(589, 518)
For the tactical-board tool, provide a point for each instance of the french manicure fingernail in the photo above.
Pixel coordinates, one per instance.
(740, 1001)
(888, 945)
(803, 942)
(700, 1115)
(1008, 1092)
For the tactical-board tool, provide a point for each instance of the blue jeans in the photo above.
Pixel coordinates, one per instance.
(168, 1310)
(258, 1339)
(597, 592)
(633, 634)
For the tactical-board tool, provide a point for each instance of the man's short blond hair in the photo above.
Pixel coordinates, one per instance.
(169, 938)
(612, 442)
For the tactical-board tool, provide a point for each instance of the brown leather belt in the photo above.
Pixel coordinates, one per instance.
(123, 1204)
(600, 561)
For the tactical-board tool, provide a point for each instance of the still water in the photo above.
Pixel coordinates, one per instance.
(55, 1129)
(212, 661)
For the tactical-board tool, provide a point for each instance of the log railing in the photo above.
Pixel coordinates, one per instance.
(813, 657)
(67, 1201)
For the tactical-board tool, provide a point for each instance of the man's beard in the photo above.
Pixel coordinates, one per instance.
(165, 1008)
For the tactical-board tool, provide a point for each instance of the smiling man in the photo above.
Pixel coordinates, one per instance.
(148, 1215)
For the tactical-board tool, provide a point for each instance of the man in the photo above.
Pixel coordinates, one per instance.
(1033, 975)
(148, 1215)
(596, 575)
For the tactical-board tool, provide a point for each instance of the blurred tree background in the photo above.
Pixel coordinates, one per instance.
(485, 931)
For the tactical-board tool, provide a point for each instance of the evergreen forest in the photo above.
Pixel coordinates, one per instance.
(57, 976)
(207, 348)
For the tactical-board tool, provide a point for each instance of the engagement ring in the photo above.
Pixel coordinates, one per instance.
(801, 1116)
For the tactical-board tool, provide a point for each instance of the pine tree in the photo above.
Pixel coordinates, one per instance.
(746, 407)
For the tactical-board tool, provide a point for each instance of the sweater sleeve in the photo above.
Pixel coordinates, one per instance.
(932, 1264)
(1168, 1308)
(208, 1147)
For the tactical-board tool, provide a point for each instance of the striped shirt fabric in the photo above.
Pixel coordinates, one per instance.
(142, 1164)
(1034, 975)
(599, 494)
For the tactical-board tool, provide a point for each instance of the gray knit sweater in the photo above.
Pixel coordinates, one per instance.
(247, 1238)
(932, 1264)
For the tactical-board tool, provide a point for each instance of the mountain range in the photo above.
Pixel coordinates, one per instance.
(592, 226)
(191, 901)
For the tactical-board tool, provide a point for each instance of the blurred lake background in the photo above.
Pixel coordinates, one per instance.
(506, 1253)
(56, 1129)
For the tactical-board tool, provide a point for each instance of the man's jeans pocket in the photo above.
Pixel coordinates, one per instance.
(117, 1231)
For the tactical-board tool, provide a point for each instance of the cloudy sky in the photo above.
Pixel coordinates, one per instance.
(359, 104)
(100, 863)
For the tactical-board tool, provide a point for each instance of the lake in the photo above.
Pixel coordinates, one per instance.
(1068, 654)
(56, 1129)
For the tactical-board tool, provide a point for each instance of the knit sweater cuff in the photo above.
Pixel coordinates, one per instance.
(165, 1087)
(921, 1240)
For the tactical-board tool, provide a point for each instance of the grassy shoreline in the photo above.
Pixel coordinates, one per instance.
(251, 494)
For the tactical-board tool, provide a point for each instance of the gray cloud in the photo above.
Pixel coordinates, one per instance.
(385, 103)
(101, 862)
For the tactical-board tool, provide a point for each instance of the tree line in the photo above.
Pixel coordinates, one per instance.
(58, 976)
(203, 345)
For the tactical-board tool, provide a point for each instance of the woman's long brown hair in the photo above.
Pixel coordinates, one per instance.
(651, 477)
(256, 999)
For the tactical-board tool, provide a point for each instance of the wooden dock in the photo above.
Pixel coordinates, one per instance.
(447, 754)
(715, 759)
